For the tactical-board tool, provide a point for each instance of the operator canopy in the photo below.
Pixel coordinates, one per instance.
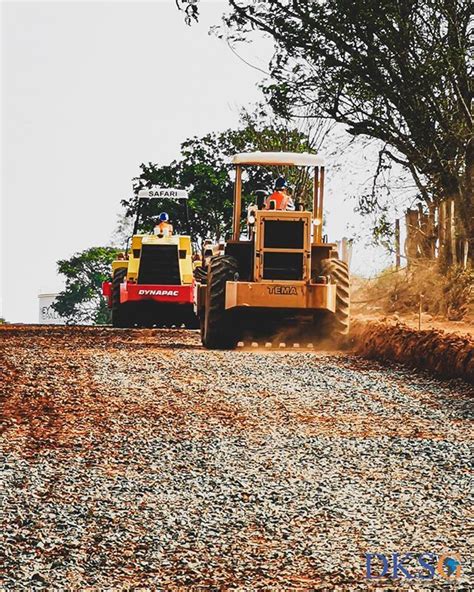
(279, 158)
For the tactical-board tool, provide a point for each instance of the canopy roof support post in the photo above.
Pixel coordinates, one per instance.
(316, 227)
(237, 203)
(318, 201)
(321, 203)
(140, 203)
(315, 192)
(186, 217)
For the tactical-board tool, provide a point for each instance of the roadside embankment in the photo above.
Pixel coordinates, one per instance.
(447, 354)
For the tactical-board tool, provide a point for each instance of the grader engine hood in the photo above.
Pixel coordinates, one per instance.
(282, 267)
(282, 246)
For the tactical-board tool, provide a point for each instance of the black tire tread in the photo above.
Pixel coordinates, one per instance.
(338, 271)
(219, 332)
(118, 317)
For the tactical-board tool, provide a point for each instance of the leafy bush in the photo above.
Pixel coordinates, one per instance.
(82, 301)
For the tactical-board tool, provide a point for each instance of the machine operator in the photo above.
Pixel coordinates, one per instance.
(163, 227)
(280, 197)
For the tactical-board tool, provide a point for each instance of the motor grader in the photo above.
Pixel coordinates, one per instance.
(152, 283)
(282, 274)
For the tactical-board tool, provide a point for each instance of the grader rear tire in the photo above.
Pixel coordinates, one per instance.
(338, 323)
(119, 319)
(218, 330)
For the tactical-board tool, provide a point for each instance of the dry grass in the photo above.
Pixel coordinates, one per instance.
(446, 295)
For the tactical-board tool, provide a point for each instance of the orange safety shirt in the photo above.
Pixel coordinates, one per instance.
(281, 200)
(165, 228)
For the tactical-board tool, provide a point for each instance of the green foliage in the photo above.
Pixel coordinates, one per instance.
(82, 300)
(205, 170)
(398, 72)
(382, 230)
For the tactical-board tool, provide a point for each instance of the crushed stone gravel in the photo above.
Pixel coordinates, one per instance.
(136, 460)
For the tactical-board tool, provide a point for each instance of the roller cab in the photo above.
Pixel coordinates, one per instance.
(153, 285)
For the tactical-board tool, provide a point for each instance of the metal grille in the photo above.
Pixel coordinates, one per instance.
(283, 266)
(283, 250)
(159, 264)
(282, 234)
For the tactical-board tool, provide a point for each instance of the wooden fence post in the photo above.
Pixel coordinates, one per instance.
(431, 230)
(452, 223)
(412, 242)
(442, 234)
(465, 252)
(397, 244)
(423, 243)
(345, 250)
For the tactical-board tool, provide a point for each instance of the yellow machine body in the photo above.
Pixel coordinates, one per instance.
(263, 292)
(281, 272)
(132, 264)
(153, 286)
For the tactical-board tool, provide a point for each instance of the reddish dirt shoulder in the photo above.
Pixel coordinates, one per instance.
(449, 355)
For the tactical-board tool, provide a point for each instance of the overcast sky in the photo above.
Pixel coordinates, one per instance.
(89, 91)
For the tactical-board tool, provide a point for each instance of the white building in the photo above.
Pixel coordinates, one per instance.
(47, 315)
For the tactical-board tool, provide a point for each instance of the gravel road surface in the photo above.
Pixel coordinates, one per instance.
(135, 460)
